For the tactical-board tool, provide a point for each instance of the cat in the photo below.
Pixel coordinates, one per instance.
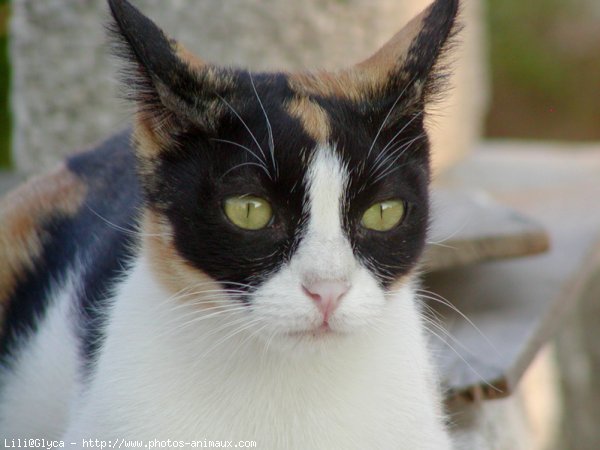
(241, 265)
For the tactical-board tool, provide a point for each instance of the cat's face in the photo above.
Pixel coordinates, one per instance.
(300, 197)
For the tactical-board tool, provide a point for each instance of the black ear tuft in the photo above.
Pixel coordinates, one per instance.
(143, 39)
(165, 81)
(427, 56)
(409, 70)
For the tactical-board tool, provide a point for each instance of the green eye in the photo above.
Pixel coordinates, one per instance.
(383, 216)
(247, 212)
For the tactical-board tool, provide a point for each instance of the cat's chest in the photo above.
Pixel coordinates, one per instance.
(293, 414)
(155, 379)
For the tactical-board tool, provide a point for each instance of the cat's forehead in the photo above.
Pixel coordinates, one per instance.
(310, 99)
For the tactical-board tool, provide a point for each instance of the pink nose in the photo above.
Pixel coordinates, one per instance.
(327, 295)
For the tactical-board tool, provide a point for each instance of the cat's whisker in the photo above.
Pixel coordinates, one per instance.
(236, 317)
(434, 320)
(396, 152)
(265, 351)
(439, 299)
(174, 326)
(269, 128)
(188, 291)
(198, 307)
(225, 141)
(391, 167)
(450, 236)
(270, 255)
(232, 109)
(114, 226)
(214, 298)
(383, 153)
(384, 157)
(235, 332)
(451, 247)
(196, 299)
(470, 366)
(211, 315)
(262, 167)
(252, 335)
(389, 113)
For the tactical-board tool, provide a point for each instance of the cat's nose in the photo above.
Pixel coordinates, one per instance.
(327, 295)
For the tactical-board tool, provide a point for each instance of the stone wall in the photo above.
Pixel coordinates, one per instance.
(64, 91)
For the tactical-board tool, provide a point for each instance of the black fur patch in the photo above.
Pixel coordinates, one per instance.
(428, 54)
(92, 240)
(105, 231)
(201, 171)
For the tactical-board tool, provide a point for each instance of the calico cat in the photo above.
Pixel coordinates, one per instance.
(239, 266)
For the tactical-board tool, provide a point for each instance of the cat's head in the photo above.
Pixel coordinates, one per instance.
(301, 197)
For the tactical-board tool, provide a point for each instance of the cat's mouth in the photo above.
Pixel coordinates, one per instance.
(321, 331)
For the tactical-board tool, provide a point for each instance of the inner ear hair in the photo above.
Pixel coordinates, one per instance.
(412, 68)
(171, 88)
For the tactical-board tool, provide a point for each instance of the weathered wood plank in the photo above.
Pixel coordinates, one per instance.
(468, 226)
(518, 305)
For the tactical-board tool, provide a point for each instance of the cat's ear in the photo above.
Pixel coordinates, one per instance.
(171, 87)
(408, 71)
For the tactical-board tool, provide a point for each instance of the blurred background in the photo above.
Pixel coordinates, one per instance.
(544, 65)
(528, 72)
(5, 123)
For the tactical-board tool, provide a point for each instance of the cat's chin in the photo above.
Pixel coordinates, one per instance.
(323, 330)
(322, 334)
(321, 340)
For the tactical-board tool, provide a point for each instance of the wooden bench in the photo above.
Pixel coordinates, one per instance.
(516, 306)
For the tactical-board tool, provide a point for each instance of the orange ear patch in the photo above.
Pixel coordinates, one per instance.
(193, 61)
(394, 53)
(390, 63)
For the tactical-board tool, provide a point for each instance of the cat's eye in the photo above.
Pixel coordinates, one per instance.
(383, 216)
(248, 212)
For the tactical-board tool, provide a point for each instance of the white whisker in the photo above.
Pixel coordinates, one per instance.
(245, 125)
(388, 116)
(258, 158)
(270, 129)
(439, 299)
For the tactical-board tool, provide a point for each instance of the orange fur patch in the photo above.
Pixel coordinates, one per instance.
(192, 60)
(149, 141)
(342, 84)
(394, 52)
(22, 214)
(313, 117)
(366, 77)
(168, 267)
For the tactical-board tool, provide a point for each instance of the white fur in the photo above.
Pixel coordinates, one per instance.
(36, 391)
(158, 378)
(170, 369)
